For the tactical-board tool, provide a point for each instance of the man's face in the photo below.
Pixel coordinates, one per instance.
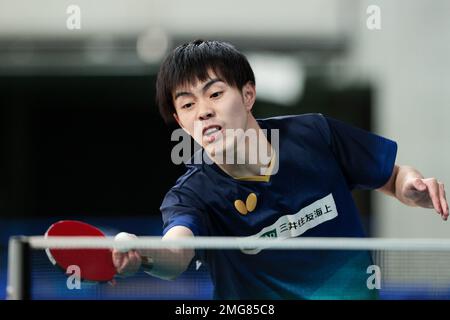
(206, 109)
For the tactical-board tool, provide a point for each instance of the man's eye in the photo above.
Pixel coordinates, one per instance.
(216, 94)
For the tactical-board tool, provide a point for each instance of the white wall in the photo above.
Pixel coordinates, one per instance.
(409, 61)
(196, 17)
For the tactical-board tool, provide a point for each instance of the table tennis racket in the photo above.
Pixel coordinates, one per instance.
(95, 265)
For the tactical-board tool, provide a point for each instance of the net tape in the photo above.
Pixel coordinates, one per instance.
(316, 243)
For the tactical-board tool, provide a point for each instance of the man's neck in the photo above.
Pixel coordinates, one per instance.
(247, 169)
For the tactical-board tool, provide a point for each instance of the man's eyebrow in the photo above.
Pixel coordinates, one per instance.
(205, 88)
(210, 83)
(182, 93)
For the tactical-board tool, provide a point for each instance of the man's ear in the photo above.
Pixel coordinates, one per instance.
(249, 95)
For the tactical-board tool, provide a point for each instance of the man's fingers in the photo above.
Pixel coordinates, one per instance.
(433, 192)
(134, 257)
(420, 185)
(125, 262)
(117, 258)
(130, 263)
(138, 258)
(443, 201)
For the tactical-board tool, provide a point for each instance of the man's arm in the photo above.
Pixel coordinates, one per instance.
(170, 263)
(411, 188)
(166, 264)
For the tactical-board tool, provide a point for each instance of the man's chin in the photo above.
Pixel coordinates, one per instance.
(221, 154)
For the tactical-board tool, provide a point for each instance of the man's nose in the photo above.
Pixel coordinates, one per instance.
(206, 112)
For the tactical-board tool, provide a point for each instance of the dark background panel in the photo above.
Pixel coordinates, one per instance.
(96, 145)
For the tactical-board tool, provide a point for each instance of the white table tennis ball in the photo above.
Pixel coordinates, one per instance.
(124, 236)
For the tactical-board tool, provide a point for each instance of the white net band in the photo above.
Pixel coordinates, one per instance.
(39, 242)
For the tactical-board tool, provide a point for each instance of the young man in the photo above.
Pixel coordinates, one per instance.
(208, 88)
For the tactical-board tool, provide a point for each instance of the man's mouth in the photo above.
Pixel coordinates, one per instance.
(210, 133)
(210, 130)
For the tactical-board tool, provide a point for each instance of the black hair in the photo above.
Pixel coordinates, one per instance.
(190, 62)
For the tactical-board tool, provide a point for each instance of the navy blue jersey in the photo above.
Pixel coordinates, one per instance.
(320, 160)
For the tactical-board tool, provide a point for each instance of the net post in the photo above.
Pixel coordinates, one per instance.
(19, 269)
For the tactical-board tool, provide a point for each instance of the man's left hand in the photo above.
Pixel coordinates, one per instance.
(426, 193)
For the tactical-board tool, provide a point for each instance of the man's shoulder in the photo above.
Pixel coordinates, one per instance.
(313, 125)
(191, 176)
(195, 180)
(289, 120)
(187, 189)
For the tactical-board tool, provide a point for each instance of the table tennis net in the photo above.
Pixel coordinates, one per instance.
(309, 268)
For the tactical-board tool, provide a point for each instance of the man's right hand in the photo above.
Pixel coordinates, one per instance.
(165, 264)
(126, 263)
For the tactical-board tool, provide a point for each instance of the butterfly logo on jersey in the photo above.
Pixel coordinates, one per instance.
(248, 206)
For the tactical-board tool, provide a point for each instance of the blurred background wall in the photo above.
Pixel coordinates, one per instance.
(80, 135)
(408, 63)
